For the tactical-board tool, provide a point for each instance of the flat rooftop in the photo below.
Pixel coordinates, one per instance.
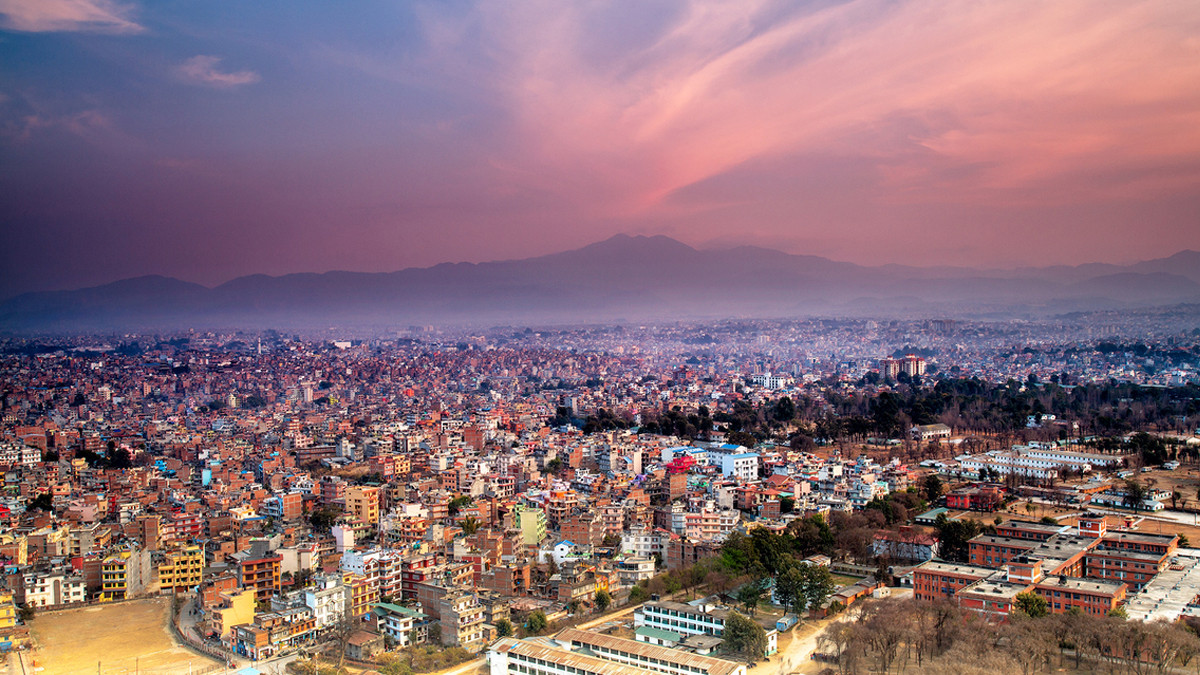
(1031, 526)
(1125, 555)
(1078, 585)
(994, 589)
(941, 567)
(1169, 593)
(1061, 547)
(997, 540)
(1141, 537)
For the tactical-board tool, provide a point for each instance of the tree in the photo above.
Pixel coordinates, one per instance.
(784, 410)
(120, 458)
(818, 585)
(742, 438)
(469, 525)
(1135, 494)
(693, 576)
(603, 600)
(457, 504)
(788, 587)
(504, 628)
(324, 518)
(638, 594)
(745, 637)
(672, 584)
(954, 536)
(751, 593)
(339, 632)
(804, 585)
(933, 488)
(1031, 604)
(536, 622)
(42, 502)
(302, 578)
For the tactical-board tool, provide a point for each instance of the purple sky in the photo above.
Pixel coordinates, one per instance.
(210, 140)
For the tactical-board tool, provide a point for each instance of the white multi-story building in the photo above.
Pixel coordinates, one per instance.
(1008, 463)
(700, 619)
(645, 542)
(327, 601)
(633, 569)
(742, 465)
(398, 623)
(710, 525)
(1057, 457)
(53, 588)
(381, 568)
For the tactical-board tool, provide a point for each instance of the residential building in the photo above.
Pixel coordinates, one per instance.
(181, 569)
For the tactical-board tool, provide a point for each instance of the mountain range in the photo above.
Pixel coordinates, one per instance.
(624, 277)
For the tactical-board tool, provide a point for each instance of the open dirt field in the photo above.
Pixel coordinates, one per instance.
(1184, 480)
(130, 637)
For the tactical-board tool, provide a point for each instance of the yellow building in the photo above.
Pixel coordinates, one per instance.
(236, 609)
(16, 547)
(8, 611)
(532, 523)
(362, 502)
(362, 594)
(182, 569)
(124, 575)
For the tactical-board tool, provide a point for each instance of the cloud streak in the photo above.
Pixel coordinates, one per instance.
(91, 16)
(202, 69)
(982, 102)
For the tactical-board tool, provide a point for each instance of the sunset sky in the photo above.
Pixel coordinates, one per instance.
(207, 140)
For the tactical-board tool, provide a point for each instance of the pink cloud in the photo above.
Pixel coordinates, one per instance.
(38, 16)
(1000, 99)
(87, 124)
(202, 69)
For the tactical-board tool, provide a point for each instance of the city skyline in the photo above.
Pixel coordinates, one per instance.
(210, 143)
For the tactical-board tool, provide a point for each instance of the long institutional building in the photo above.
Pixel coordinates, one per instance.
(576, 652)
(1087, 567)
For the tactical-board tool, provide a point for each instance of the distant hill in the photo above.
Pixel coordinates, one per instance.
(627, 277)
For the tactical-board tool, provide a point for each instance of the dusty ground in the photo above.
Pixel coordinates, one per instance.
(1192, 532)
(1185, 480)
(129, 637)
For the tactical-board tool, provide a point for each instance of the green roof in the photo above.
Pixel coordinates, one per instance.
(659, 633)
(932, 514)
(397, 609)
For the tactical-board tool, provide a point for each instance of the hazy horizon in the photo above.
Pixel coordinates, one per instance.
(711, 247)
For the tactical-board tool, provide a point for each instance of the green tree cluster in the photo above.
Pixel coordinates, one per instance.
(744, 637)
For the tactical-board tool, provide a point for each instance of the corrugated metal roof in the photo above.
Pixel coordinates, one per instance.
(713, 665)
